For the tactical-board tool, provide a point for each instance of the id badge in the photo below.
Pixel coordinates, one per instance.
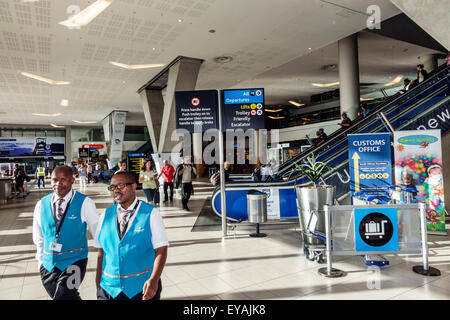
(55, 246)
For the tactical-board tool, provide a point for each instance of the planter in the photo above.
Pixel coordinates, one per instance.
(310, 203)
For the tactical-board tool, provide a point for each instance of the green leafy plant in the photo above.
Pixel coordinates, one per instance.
(313, 169)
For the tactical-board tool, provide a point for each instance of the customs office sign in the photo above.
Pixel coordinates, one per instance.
(196, 111)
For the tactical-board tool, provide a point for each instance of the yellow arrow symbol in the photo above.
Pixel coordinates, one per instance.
(356, 167)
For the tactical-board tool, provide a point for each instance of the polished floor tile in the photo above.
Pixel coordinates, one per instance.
(202, 265)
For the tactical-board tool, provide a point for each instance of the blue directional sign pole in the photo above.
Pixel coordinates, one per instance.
(222, 173)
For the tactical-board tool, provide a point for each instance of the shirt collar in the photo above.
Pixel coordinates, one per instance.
(131, 206)
(67, 197)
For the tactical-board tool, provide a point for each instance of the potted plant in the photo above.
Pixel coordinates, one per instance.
(311, 200)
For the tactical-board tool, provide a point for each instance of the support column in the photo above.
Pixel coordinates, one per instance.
(153, 106)
(429, 61)
(349, 75)
(68, 146)
(197, 146)
(182, 77)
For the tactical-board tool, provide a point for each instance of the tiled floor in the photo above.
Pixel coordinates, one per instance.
(203, 265)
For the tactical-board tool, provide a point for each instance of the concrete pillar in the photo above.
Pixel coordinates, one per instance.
(182, 77)
(153, 106)
(429, 61)
(430, 15)
(349, 75)
(68, 146)
(197, 146)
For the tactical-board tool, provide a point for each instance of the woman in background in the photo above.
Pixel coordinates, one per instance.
(147, 177)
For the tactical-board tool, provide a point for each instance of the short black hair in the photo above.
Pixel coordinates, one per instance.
(128, 175)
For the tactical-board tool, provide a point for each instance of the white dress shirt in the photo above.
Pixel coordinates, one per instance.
(159, 237)
(88, 214)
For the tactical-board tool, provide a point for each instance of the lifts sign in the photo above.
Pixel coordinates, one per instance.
(243, 109)
(370, 164)
(196, 111)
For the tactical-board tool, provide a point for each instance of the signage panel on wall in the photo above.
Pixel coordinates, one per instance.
(118, 132)
(24, 146)
(243, 109)
(370, 164)
(418, 162)
(135, 161)
(83, 152)
(196, 111)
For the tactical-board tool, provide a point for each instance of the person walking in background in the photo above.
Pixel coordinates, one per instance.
(89, 173)
(147, 177)
(59, 232)
(132, 245)
(346, 122)
(422, 74)
(19, 177)
(122, 166)
(40, 176)
(82, 173)
(187, 172)
(406, 85)
(168, 171)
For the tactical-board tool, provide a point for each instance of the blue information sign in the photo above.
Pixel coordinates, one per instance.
(370, 164)
(243, 109)
(376, 229)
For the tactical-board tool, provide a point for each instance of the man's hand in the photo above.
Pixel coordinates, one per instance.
(149, 289)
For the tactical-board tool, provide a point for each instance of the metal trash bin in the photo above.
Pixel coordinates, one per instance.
(257, 210)
(5, 189)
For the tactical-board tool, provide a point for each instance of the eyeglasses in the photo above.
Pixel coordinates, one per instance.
(119, 186)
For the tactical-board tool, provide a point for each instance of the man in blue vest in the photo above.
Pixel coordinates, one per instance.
(59, 232)
(133, 244)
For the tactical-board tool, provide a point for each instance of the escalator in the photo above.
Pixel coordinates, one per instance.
(408, 111)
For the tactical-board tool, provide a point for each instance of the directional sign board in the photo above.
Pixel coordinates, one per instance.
(243, 109)
(196, 111)
(370, 164)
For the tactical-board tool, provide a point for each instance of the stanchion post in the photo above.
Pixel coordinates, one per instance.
(425, 269)
(329, 272)
(223, 201)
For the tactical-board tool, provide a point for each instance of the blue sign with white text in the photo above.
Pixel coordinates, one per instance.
(370, 165)
(376, 229)
(243, 109)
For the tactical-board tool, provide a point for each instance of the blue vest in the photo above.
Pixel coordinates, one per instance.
(127, 262)
(72, 235)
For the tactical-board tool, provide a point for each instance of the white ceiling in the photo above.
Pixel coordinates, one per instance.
(267, 39)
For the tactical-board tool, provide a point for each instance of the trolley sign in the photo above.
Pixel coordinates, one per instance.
(376, 229)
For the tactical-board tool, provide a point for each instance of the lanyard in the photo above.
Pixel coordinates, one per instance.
(58, 226)
(129, 218)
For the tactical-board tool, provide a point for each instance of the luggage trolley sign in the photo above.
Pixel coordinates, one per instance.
(376, 229)
(243, 109)
(196, 111)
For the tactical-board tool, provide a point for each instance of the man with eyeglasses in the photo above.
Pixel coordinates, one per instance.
(133, 245)
(59, 232)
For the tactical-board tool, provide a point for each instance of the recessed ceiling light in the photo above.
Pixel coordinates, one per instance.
(273, 110)
(179, 20)
(212, 31)
(55, 126)
(296, 103)
(84, 122)
(136, 66)
(395, 81)
(223, 59)
(43, 79)
(64, 103)
(46, 114)
(84, 17)
(325, 85)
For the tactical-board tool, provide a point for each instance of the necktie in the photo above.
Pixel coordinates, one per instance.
(123, 218)
(60, 209)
